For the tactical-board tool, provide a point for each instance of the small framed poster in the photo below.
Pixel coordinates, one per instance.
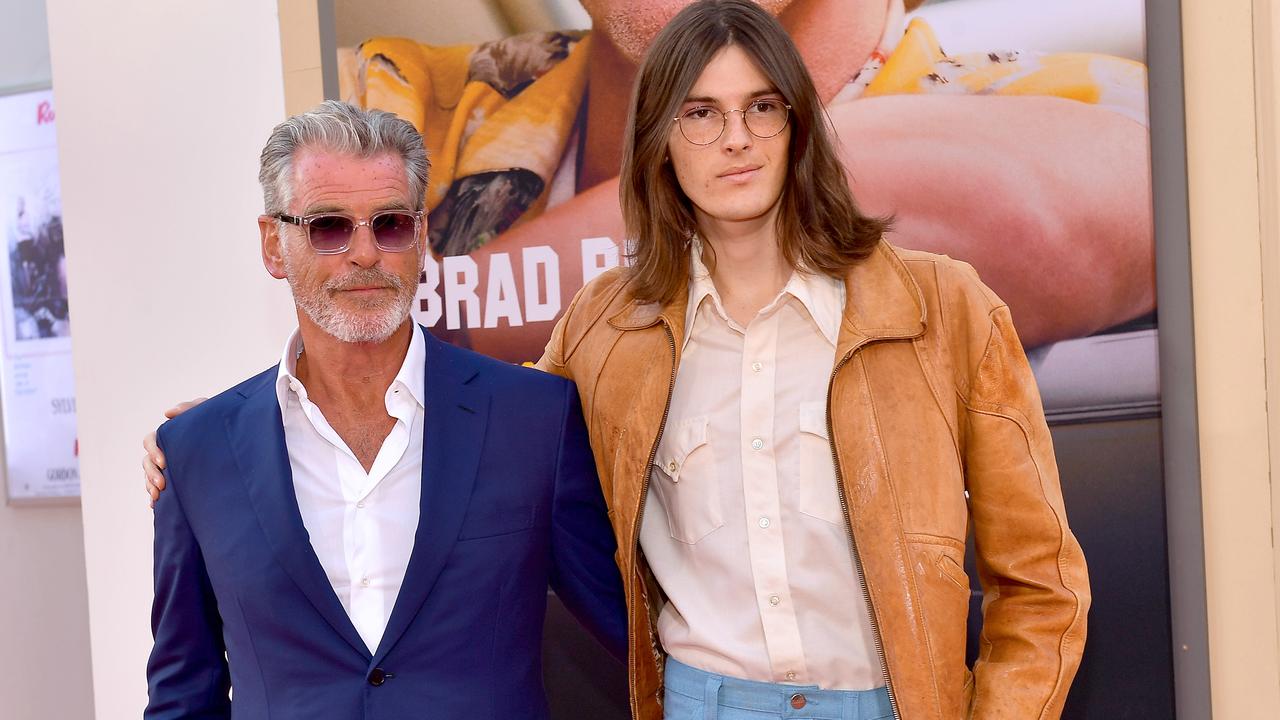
(37, 389)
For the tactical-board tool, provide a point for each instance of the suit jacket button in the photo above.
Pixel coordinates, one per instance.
(377, 677)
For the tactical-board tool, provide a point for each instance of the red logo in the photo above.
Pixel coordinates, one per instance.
(44, 113)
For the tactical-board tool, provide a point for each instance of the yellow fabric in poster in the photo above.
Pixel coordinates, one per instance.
(461, 98)
(918, 65)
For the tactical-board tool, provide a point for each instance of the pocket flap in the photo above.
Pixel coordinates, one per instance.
(678, 441)
(813, 419)
(491, 521)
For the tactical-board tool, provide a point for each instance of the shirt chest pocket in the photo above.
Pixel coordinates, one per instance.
(816, 492)
(687, 481)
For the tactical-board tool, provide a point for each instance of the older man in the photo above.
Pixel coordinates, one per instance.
(368, 528)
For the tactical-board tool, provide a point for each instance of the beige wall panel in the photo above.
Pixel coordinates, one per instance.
(1231, 379)
(304, 89)
(163, 108)
(439, 22)
(44, 614)
(1267, 52)
(300, 53)
(299, 34)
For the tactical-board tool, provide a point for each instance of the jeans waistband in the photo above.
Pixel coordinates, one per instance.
(776, 698)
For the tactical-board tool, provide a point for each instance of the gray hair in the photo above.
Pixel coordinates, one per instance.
(342, 128)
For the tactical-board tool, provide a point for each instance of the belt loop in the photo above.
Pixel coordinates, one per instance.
(849, 709)
(711, 698)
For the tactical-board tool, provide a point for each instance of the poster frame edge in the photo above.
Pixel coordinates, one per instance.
(1179, 424)
(11, 90)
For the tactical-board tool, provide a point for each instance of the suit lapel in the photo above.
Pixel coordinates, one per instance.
(256, 433)
(453, 437)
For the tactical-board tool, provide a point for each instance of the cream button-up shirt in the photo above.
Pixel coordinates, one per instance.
(362, 525)
(743, 524)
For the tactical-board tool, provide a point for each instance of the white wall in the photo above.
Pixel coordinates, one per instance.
(44, 615)
(162, 110)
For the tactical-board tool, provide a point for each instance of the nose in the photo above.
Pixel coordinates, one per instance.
(363, 251)
(736, 135)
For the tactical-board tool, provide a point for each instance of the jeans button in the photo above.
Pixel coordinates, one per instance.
(798, 701)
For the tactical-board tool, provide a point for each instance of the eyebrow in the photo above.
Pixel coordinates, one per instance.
(716, 101)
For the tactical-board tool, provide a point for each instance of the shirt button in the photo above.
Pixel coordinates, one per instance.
(672, 467)
(774, 600)
(364, 582)
(360, 504)
(764, 522)
(757, 444)
(757, 366)
(792, 676)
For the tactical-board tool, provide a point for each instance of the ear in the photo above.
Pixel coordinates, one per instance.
(424, 246)
(272, 254)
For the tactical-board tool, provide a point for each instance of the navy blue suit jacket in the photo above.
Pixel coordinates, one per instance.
(510, 504)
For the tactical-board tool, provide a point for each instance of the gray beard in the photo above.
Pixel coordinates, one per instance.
(349, 327)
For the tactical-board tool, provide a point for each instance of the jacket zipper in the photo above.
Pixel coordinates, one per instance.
(853, 543)
(644, 491)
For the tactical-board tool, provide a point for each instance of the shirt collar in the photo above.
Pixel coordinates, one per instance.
(701, 287)
(822, 297)
(410, 376)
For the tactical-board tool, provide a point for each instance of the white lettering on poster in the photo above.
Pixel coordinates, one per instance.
(429, 307)
(501, 300)
(541, 264)
(461, 276)
(448, 288)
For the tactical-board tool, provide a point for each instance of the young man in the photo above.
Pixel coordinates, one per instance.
(796, 425)
(368, 528)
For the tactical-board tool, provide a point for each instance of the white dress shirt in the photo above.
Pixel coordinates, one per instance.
(743, 526)
(362, 525)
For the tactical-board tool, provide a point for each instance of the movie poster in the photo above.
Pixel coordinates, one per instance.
(1009, 136)
(37, 393)
(1012, 135)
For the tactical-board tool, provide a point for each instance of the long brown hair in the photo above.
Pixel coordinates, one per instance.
(819, 225)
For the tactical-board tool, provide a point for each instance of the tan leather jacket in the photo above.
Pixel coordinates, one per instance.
(937, 430)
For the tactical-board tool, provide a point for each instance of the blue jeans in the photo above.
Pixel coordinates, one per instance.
(693, 694)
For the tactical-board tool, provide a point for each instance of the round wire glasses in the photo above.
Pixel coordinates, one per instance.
(704, 124)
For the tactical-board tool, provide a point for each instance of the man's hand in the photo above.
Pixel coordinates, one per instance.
(153, 459)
